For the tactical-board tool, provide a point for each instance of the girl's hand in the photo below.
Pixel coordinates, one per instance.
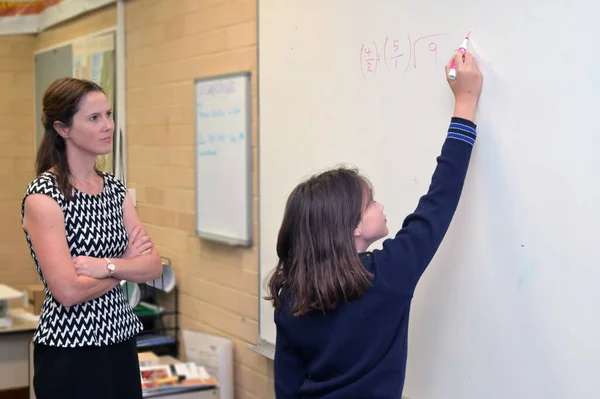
(467, 85)
(91, 267)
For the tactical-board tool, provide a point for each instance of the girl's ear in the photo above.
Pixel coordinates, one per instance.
(357, 231)
(61, 129)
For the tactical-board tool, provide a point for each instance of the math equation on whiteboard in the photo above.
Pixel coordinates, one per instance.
(398, 54)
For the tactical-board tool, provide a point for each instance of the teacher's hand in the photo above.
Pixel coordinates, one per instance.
(91, 267)
(140, 243)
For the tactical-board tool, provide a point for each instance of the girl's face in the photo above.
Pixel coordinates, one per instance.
(372, 226)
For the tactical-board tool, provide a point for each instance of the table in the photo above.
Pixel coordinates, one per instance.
(14, 350)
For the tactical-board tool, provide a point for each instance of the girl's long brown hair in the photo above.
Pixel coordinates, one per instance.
(61, 102)
(318, 265)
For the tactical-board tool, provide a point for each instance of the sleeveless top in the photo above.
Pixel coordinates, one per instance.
(94, 227)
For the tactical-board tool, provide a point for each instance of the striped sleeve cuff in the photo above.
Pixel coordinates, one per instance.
(463, 130)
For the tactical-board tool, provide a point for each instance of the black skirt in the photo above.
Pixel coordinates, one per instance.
(104, 372)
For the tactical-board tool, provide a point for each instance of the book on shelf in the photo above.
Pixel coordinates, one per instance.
(174, 378)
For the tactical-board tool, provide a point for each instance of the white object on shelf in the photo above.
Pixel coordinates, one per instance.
(215, 354)
(7, 293)
(166, 282)
(5, 322)
(132, 292)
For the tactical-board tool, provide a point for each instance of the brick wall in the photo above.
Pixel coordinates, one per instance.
(16, 154)
(169, 44)
(17, 124)
(85, 24)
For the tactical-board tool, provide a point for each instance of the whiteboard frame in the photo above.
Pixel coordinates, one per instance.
(232, 241)
(263, 347)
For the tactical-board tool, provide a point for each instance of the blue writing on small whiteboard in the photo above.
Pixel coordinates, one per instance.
(223, 158)
(211, 141)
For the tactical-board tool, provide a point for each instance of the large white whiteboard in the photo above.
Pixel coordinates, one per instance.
(224, 159)
(507, 309)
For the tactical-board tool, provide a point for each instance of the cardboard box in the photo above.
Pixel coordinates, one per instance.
(147, 359)
(35, 297)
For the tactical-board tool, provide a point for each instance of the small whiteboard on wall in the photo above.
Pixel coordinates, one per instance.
(224, 159)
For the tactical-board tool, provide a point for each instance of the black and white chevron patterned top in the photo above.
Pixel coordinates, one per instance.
(94, 227)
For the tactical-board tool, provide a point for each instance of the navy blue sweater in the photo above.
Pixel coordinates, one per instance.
(359, 349)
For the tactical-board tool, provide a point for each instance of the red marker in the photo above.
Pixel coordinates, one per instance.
(462, 49)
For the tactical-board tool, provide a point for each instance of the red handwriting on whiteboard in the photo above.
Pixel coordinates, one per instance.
(392, 52)
(399, 53)
(369, 59)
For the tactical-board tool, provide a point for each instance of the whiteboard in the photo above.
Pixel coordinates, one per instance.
(509, 301)
(224, 159)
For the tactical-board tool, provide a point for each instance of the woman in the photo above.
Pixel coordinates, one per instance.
(85, 237)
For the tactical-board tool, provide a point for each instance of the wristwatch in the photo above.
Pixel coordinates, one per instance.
(111, 266)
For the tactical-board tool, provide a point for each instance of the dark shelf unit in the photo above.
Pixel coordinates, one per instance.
(161, 329)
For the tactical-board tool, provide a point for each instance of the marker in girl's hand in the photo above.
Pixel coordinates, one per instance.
(462, 49)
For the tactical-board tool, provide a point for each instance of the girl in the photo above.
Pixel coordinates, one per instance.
(342, 312)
